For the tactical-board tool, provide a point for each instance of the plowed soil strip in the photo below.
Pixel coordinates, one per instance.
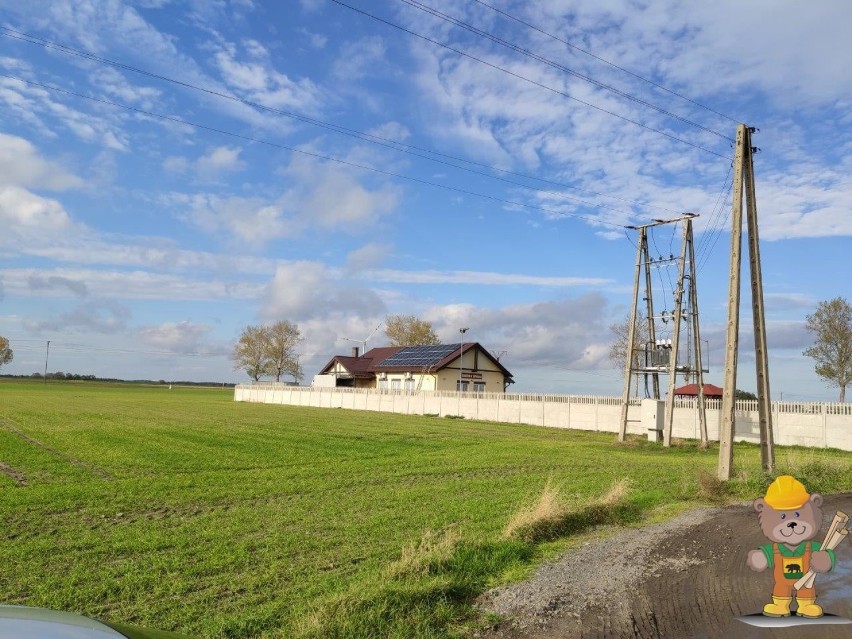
(5, 423)
(17, 477)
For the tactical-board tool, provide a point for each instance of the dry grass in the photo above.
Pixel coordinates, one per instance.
(550, 518)
(420, 558)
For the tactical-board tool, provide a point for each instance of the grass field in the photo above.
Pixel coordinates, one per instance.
(183, 510)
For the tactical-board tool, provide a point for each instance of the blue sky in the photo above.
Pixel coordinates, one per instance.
(141, 238)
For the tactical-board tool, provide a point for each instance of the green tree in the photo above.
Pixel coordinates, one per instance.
(281, 339)
(408, 330)
(831, 325)
(6, 354)
(251, 353)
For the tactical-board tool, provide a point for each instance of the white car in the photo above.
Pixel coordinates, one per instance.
(25, 622)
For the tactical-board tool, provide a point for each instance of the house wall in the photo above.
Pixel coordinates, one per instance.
(818, 425)
(474, 367)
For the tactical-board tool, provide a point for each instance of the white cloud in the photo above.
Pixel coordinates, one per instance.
(219, 160)
(178, 337)
(259, 82)
(98, 316)
(367, 256)
(126, 285)
(570, 333)
(321, 197)
(305, 290)
(21, 165)
(24, 213)
(359, 58)
(481, 278)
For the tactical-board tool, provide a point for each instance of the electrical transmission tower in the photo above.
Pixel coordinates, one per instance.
(651, 356)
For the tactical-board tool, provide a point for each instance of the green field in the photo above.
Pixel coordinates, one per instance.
(183, 510)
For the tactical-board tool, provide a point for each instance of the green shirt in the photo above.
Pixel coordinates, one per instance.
(798, 551)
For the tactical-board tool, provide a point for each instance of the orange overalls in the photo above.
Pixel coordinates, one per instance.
(788, 570)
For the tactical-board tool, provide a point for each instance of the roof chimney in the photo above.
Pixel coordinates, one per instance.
(354, 351)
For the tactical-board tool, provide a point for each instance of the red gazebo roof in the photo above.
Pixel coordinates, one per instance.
(692, 390)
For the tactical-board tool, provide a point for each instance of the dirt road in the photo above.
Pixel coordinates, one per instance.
(685, 579)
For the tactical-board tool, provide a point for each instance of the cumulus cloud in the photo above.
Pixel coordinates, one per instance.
(22, 165)
(180, 337)
(305, 290)
(569, 332)
(359, 58)
(367, 256)
(322, 197)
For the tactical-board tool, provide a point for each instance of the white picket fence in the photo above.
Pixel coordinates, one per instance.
(812, 424)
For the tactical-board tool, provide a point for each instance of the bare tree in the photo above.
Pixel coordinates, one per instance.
(831, 324)
(621, 331)
(408, 330)
(6, 354)
(281, 340)
(251, 354)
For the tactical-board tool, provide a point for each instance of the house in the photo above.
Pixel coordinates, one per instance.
(416, 368)
(691, 390)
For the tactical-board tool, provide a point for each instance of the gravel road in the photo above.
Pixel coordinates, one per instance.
(683, 579)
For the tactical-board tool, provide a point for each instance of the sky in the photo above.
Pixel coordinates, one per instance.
(172, 172)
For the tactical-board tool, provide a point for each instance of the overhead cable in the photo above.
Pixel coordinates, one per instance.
(607, 62)
(556, 65)
(319, 156)
(529, 80)
(395, 145)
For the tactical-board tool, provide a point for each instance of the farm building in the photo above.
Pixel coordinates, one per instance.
(442, 367)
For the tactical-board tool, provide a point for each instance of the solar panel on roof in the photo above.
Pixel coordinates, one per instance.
(419, 355)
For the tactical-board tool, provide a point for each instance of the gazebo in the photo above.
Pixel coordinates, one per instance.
(691, 390)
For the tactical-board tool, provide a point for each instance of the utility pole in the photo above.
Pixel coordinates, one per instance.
(744, 173)
(46, 355)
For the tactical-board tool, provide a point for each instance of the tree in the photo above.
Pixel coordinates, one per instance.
(251, 353)
(6, 354)
(831, 325)
(407, 330)
(621, 330)
(281, 340)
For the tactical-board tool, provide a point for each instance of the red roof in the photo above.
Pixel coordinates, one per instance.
(692, 390)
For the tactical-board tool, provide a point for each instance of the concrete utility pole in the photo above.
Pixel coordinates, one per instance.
(744, 173)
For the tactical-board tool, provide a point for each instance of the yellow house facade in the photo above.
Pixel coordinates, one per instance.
(441, 367)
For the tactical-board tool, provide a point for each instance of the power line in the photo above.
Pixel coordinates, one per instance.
(367, 137)
(84, 348)
(526, 79)
(607, 62)
(715, 224)
(349, 163)
(556, 65)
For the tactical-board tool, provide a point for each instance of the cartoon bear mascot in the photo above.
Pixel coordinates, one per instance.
(790, 518)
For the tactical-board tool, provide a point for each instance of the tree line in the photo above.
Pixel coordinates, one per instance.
(270, 350)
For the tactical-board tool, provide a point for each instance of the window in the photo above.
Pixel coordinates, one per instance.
(479, 387)
(383, 384)
(396, 384)
(409, 384)
(462, 386)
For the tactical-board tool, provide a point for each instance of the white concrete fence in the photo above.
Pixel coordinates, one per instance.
(812, 424)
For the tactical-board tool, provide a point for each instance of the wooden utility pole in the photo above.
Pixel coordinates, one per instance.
(744, 172)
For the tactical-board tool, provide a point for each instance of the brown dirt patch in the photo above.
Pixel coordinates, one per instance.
(17, 477)
(685, 578)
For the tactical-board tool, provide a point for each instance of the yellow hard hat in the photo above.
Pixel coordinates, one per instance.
(786, 493)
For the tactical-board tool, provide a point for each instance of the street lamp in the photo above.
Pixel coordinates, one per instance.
(462, 331)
